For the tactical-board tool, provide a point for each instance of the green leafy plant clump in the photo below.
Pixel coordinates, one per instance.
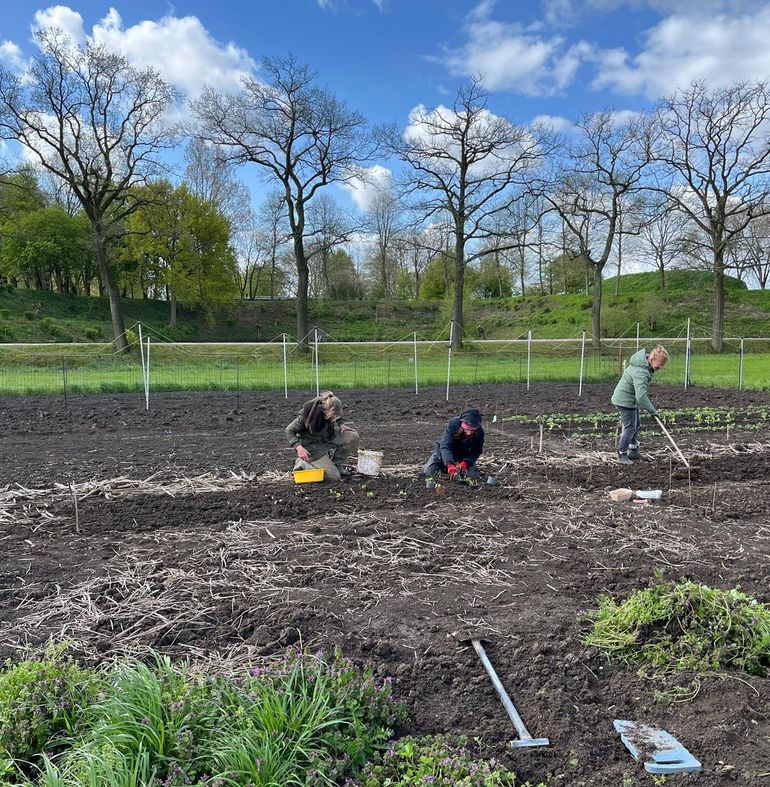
(672, 627)
(302, 721)
(40, 703)
(416, 762)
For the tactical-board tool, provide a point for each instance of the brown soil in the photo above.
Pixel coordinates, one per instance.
(392, 572)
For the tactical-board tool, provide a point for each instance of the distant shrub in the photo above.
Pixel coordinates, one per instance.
(92, 332)
(54, 329)
(30, 315)
(5, 313)
(6, 333)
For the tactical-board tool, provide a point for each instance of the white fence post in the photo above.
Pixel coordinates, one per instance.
(687, 357)
(529, 356)
(582, 363)
(317, 373)
(147, 378)
(141, 349)
(416, 383)
(285, 371)
(740, 368)
(449, 357)
(637, 334)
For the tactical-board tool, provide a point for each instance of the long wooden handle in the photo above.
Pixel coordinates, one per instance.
(671, 440)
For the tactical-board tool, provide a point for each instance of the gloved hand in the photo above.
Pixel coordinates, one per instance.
(463, 467)
(452, 470)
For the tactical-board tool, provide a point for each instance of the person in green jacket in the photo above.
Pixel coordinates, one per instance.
(320, 437)
(632, 393)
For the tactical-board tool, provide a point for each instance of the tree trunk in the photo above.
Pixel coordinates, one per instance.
(172, 310)
(457, 305)
(113, 294)
(718, 325)
(303, 280)
(596, 309)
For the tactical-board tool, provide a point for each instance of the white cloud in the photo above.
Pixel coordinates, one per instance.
(554, 123)
(68, 21)
(12, 57)
(363, 190)
(333, 5)
(511, 57)
(180, 48)
(687, 7)
(680, 49)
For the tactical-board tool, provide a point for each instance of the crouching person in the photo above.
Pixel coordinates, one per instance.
(459, 447)
(320, 437)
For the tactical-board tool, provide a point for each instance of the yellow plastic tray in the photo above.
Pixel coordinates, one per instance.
(308, 476)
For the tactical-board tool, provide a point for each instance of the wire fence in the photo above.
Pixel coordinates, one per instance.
(154, 365)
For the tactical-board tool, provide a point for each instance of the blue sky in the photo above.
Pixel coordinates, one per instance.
(552, 59)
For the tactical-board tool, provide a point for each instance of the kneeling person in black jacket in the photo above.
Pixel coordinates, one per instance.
(459, 447)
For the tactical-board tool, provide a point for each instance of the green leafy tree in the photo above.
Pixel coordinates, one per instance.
(437, 279)
(96, 124)
(181, 243)
(493, 280)
(48, 248)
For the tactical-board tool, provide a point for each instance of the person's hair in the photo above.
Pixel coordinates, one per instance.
(660, 353)
(330, 404)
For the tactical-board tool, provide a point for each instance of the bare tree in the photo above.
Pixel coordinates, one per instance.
(416, 247)
(712, 149)
(212, 178)
(328, 228)
(661, 234)
(385, 221)
(466, 163)
(98, 125)
(587, 186)
(300, 134)
(752, 251)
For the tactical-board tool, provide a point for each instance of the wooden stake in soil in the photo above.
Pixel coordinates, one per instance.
(540, 448)
(75, 504)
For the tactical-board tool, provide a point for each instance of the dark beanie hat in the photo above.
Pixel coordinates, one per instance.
(471, 417)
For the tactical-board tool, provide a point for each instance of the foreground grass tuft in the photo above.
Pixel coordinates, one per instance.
(302, 721)
(671, 627)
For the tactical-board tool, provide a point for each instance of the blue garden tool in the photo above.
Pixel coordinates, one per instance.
(525, 739)
(663, 752)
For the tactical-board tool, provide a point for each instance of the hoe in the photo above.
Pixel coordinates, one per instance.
(525, 739)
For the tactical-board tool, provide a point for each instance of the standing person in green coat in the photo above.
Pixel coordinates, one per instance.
(632, 393)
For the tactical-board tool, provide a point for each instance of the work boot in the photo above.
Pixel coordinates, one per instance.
(623, 459)
(637, 456)
(345, 472)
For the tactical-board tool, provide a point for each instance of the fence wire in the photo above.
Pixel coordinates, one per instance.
(416, 364)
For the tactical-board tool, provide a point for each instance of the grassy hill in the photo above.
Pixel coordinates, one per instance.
(31, 316)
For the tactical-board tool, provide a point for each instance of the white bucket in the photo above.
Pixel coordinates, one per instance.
(369, 462)
(649, 494)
